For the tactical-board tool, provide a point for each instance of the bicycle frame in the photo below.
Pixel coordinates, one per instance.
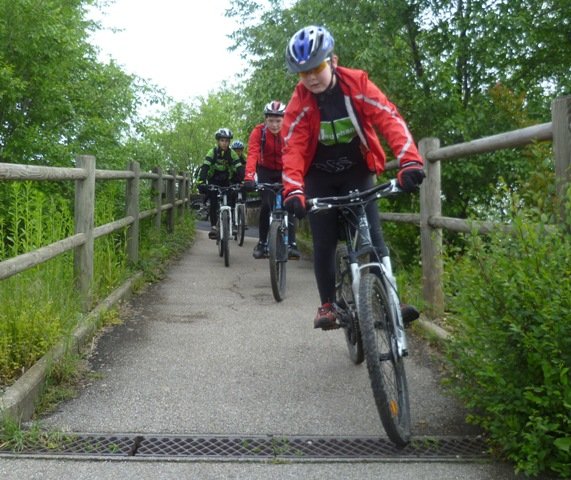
(359, 244)
(223, 195)
(277, 241)
(278, 212)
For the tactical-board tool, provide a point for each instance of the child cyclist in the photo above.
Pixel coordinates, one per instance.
(221, 167)
(331, 147)
(238, 148)
(265, 161)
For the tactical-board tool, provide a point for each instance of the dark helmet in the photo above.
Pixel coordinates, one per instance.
(223, 133)
(237, 145)
(308, 48)
(275, 108)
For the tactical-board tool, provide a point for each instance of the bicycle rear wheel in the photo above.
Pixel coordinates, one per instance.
(225, 238)
(278, 259)
(386, 368)
(346, 300)
(241, 224)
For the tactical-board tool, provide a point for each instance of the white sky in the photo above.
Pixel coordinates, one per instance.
(179, 45)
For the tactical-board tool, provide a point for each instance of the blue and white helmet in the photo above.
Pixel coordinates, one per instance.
(237, 145)
(308, 48)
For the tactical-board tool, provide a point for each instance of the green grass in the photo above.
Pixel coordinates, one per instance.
(40, 306)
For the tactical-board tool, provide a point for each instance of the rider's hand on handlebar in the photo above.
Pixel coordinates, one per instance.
(249, 185)
(410, 176)
(202, 188)
(295, 204)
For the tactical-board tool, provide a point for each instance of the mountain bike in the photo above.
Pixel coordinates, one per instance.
(224, 222)
(369, 307)
(240, 218)
(277, 241)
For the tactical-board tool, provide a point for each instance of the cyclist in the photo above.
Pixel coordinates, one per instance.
(238, 148)
(331, 147)
(221, 167)
(265, 160)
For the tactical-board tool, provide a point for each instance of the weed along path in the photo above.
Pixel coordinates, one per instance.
(206, 363)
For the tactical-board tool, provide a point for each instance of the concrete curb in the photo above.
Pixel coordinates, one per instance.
(19, 400)
(433, 329)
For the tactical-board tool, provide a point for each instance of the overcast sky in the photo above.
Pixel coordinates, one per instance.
(180, 45)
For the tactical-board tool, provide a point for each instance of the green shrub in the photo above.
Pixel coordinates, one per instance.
(511, 347)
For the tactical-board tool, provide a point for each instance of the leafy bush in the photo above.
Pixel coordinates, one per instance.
(511, 347)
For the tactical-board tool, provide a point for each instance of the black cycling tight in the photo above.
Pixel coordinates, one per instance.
(324, 225)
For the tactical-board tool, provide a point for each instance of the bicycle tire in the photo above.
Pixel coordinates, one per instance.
(241, 224)
(278, 260)
(346, 300)
(226, 237)
(386, 370)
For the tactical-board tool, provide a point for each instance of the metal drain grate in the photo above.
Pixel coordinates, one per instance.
(256, 447)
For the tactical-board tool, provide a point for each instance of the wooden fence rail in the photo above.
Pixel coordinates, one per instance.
(430, 218)
(82, 242)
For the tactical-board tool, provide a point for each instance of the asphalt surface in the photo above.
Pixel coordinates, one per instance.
(208, 351)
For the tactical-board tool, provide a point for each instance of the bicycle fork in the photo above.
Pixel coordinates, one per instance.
(224, 207)
(394, 304)
(386, 277)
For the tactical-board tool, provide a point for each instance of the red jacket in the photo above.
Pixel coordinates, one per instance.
(265, 149)
(368, 107)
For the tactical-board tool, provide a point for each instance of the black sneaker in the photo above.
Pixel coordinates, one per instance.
(260, 250)
(213, 234)
(293, 252)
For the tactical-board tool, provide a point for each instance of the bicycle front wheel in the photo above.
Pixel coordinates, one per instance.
(225, 237)
(346, 300)
(241, 224)
(385, 367)
(278, 259)
(219, 242)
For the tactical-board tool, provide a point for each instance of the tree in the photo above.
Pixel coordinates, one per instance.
(56, 100)
(457, 69)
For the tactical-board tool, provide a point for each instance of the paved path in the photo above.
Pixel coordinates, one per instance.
(208, 351)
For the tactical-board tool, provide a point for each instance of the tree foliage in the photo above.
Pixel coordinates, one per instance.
(180, 137)
(457, 69)
(56, 99)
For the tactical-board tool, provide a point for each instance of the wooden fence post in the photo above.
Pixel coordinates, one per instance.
(186, 193)
(431, 238)
(180, 194)
(84, 223)
(561, 120)
(132, 199)
(171, 198)
(157, 189)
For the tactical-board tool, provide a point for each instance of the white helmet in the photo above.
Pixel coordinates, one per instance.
(223, 133)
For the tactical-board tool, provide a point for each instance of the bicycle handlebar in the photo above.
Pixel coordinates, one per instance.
(218, 188)
(274, 187)
(354, 198)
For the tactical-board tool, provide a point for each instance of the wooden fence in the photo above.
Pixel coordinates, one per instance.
(430, 218)
(172, 187)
